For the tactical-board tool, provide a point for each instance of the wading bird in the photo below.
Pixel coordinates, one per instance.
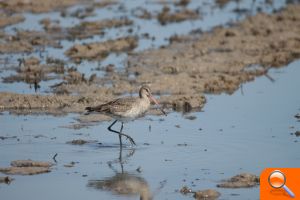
(126, 109)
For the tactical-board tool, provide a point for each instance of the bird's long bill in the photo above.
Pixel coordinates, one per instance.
(155, 101)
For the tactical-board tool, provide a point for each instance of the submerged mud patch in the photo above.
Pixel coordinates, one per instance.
(100, 50)
(243, 180)
(208, 194)
(32, 72)
(36, 6)
(6, 20)
(166, 16)
(81, 142)
(27, 167)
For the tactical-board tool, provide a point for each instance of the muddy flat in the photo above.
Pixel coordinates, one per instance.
(226, 73)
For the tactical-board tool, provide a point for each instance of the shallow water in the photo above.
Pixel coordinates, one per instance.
(244, 132)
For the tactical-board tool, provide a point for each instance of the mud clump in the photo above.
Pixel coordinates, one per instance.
(30, 163)
(297, 133)
(32, 72)
(166, 16)
(100, 50)
(36, 6)
(182, 3)
(6, 20)
(27, 167)
(244, 180)
(208, 194)
(75, 77)
(89, 29)
(80, 142)
(27, 41)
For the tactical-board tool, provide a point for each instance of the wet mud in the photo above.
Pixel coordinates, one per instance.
(243, 180)
(36, 6)
(81, 142)
(166, 16)
(180, 73)
(27, 167)
(200, 64)
(100, 50)
(6, 20)
(209, 194)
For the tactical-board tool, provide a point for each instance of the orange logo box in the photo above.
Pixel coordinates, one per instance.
(280, 183)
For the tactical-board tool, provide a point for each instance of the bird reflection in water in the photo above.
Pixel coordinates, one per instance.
(123, 183)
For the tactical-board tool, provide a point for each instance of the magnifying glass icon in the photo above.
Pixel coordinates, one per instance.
(277, 180)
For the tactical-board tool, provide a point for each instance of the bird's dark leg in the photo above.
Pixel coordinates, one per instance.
(121, 134)
(120, 139)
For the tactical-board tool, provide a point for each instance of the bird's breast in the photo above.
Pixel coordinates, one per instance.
(139, 109)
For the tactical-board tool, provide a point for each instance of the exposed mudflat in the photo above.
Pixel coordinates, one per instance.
(184, 70)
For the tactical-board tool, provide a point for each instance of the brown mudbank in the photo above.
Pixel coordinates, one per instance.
(27, 41)
(221, 60)
(80, 142)
(30, 163)
(208, 194)
(32, 72)
(168, 17)
(100, 50)
(214, 62)
(88, 29)
(36, 6)
(6, 20)
(243, 180)
(27, 167)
